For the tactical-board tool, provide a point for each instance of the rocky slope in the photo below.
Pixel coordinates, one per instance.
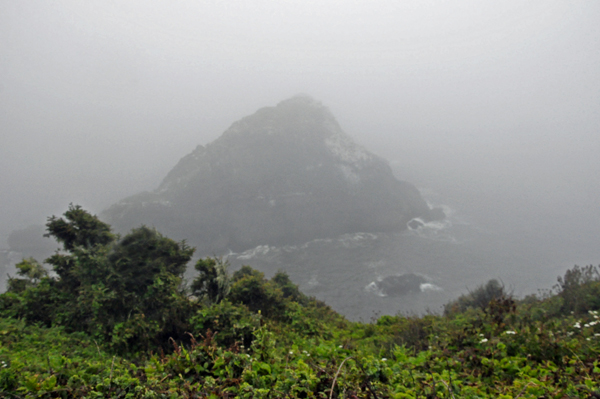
(286, 174)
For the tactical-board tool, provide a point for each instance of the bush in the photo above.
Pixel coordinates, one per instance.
(124, 291)
(579, 290)
(213, 283)
(478, 299)
(230, 323)
(288, 288)
(251, 288)
(409, 331)
(31, 273)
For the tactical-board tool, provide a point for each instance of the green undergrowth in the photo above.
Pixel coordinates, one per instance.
(505, 350)
(114, 319)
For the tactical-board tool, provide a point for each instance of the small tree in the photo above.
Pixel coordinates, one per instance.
(480, 298)
(289, 290)
(213, 283)
(147, 302)
(251, 288)
(126, 291)
(79, 228)
(31, 271)
(579, 289)
(79, 232)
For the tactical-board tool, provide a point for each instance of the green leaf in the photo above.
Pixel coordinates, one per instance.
(49, 383)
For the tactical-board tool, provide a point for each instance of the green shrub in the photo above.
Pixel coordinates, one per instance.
(579, 290)
(289, 290)
(213, 282)
(126, 291)
(31, 272)
(264, 338)
(251, 288)
(480, 298)
(228, 322)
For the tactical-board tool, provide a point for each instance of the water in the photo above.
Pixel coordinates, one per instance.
(518, 237)
(455, 256)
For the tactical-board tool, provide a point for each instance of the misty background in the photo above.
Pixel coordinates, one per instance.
(492, 108)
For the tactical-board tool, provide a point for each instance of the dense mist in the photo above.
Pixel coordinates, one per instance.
(490, 108)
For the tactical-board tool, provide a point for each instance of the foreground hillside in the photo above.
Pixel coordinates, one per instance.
(114, 320)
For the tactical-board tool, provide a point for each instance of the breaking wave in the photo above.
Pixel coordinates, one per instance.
(400, 285)
(374, 288)
(429, 287)
(437, 230)
(345, 241)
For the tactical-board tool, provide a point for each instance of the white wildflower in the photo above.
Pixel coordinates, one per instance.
(383, 359)
(483, 340)
(510, 332)
(291, 352)
(586, 325)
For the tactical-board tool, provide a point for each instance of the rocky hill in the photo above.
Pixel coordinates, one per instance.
(286, 174)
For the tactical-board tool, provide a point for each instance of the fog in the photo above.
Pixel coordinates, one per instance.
(491, 106)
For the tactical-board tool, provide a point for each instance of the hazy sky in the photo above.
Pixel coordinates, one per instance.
(99, 99)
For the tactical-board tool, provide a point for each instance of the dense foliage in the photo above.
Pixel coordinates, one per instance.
(125, 291)
(114, 319)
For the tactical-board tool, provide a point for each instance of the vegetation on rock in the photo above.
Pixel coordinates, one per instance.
(284, 175)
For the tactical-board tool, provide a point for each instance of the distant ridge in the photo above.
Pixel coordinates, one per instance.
(286, 174)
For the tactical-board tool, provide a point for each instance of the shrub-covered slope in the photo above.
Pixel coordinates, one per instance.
(113, 319)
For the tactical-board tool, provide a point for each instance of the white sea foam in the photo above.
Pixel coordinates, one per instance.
(251, 253)
(438, 230)
(374, 288)
(356, 239)
(350, 240)
(450, 212)
(429, 287)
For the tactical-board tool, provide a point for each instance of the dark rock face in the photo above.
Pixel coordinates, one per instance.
(401, 285)
(286, 174)
(415, 224)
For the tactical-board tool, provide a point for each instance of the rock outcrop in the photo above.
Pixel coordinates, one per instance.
(409, 283)
(286, 174)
